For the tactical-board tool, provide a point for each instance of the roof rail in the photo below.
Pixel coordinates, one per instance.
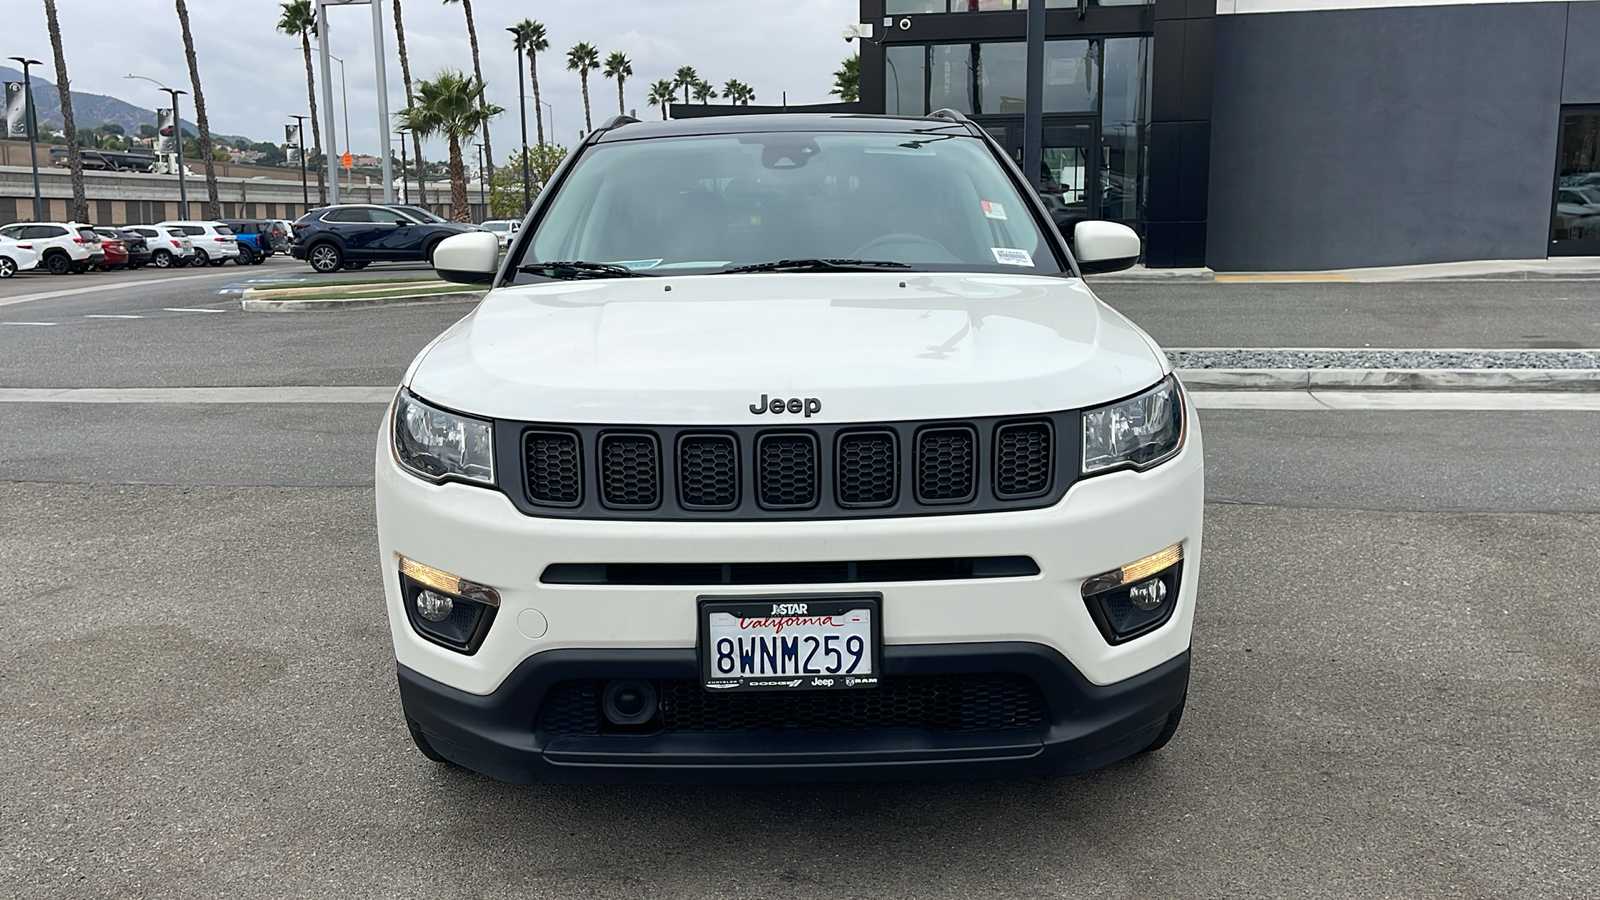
(616, 122)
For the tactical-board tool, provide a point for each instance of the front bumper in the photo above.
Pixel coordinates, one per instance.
(1087, 725)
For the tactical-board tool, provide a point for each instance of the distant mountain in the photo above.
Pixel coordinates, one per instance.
(89, 110)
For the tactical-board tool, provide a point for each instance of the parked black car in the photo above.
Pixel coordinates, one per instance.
(352, 235)
(138, 248)
(255, 239)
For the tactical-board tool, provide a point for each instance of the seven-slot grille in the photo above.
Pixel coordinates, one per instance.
(817, 471)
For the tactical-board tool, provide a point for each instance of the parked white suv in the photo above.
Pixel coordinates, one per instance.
(790, 447)
(503, 230)
(170, 248)
(214, 242)
(63, 247)
(16, 256)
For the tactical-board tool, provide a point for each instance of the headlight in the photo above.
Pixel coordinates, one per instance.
(1135, 433)
(437, 445)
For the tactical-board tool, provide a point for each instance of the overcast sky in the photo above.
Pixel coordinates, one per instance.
(254, 77)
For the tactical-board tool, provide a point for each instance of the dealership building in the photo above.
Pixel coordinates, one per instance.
(1281, 134)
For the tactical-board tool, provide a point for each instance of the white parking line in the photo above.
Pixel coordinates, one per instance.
(110, 316)
(199, 395)
(27, 323)
(71, 292)
(182, 309)
(1462, 401)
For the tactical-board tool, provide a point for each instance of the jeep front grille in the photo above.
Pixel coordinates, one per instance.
(800, 471)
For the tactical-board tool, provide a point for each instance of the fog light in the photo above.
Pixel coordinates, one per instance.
(447, 609)
(1132, 600)
(629, 702)
(1147, 595)
(434, 607)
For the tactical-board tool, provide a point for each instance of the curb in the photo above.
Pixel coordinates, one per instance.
(257, 304)
(1571, 380)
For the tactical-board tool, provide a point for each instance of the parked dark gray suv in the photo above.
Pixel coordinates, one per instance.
(351, 236)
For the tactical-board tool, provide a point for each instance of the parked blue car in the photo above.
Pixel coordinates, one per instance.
(350, 236)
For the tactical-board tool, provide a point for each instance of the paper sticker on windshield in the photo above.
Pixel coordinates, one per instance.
(993, 210)
(638, 263)
(1009, 256)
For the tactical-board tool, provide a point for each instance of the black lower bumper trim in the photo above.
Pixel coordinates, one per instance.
(1088, 725)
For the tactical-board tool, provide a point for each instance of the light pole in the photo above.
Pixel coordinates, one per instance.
(482, 201)
(33, 150)
(522, 115)
(405, 186)
(177, 139)
(552, 120)
(344, 96)
(300, 150)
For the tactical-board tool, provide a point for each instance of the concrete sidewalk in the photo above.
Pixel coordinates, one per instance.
(1555, 269)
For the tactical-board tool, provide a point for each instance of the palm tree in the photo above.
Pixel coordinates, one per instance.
(686, 77)
(662, 93)
(405, 75)
(299, 18)
(847, 80)
(207, 154)
(581, 59)
(80, 200)
(532, 41)
(618, 66)
(703, 91)
(477, 71)
(738, 92)
(451, 105)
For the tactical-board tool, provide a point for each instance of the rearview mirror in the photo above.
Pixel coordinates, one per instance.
(470, 258)
(1102, 247)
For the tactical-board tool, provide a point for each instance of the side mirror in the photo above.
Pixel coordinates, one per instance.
(1102, 247)
(401, 222)
(470, 258)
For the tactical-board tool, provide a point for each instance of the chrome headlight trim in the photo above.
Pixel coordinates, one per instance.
(438, 445)
(1138, 432)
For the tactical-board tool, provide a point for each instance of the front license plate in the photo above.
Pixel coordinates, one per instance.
(785, 643)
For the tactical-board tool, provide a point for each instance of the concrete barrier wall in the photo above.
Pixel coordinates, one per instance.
(127, 198)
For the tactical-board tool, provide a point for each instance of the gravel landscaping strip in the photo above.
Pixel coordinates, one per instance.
(1276, 358)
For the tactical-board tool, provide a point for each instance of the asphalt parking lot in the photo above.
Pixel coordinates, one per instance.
(1394, 690)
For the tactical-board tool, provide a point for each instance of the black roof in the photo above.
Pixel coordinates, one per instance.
(755, 124)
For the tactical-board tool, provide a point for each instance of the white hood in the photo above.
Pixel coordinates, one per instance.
(700, 350)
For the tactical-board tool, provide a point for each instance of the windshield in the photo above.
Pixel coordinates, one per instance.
(705, 204)
(496, 226)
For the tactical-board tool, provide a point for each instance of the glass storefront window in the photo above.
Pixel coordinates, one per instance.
(1071, 76)
(1124, 128)
(1577, 212)
(905, 81)
(914, 7)
(1002, 77)
(950, 78)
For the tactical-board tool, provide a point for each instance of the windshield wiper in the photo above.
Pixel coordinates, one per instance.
(578, 269)
(804, 265)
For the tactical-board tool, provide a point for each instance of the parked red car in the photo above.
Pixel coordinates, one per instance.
(116, 253)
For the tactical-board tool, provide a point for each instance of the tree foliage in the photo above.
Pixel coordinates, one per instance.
(505, 187)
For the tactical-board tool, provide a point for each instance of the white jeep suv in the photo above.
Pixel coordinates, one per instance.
(170, 248)
(789, 447)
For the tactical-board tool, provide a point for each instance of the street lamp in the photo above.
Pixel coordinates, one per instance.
(344, 96)
(305, 189)
(522, 114)
(177, 139)
(33, 150)
(482, 200)
(405, 186)
(552, 120)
